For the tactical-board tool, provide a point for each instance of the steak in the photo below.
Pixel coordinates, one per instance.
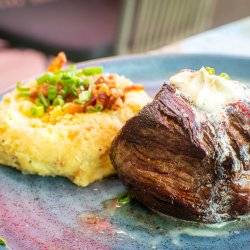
(179, 160)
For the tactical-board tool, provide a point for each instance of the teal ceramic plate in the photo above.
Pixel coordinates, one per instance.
(52, 213)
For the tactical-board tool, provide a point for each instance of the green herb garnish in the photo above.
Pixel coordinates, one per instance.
(210, 70)
(225, 75)
(44, 101)
(59, 87)
(96, 108)
(90, 71)
(2, 242)
(69, 78)
(74, 90)
(37, 111)
(22, 91)
(124, 199)
(52, 93)
(48, 77)
(58, 101)
(84, 82)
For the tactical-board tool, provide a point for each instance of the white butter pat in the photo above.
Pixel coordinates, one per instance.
(208, 92)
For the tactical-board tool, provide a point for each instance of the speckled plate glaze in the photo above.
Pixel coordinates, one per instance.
(52, 213)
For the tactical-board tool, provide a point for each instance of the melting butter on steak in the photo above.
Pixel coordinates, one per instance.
(187, 153)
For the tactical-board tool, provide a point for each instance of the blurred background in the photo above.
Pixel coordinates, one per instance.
(31, 31)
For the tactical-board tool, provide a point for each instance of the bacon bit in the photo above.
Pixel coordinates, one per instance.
(43, 89)
(103, 87)
(91, 102)
(96, 223)
(59, 87)
(123, 98)
(111, 102)
(95, 220)
(117, 104)
(135, 87)
(73, 108)
(108, 81)
(69, 98)
(100, 80)
(35, 91)
(112, 84)
(107, 94)
(103, 99)
(58, 62)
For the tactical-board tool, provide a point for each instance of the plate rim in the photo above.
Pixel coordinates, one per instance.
(117, 58)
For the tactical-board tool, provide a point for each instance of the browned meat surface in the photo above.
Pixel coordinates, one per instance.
(177, 160)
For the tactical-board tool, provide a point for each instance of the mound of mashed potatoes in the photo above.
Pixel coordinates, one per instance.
(63, 123)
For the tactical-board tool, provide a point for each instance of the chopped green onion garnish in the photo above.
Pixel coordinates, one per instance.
(48, 77)
(74, 90)
(22, 91)
(210, 70)
(19, 87)
(58, 101)
(68, 78)
(65, 90)
(38, 102)
(84, 96)
(96, 108)
(2, 242)
(43, 101)
(58, 88)
(225, 75)
(52, 93)
(89, 71)
(84, 82)
(124, 199)
(37, 111)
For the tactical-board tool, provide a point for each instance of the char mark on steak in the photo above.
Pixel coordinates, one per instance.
(179, 160)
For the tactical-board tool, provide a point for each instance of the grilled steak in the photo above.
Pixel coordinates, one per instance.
(187, 161)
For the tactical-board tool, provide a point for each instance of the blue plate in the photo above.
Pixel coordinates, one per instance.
(52, 213)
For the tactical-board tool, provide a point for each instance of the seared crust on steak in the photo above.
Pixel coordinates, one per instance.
(181, 161)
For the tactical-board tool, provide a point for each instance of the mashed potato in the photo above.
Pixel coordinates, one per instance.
(61, 143)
